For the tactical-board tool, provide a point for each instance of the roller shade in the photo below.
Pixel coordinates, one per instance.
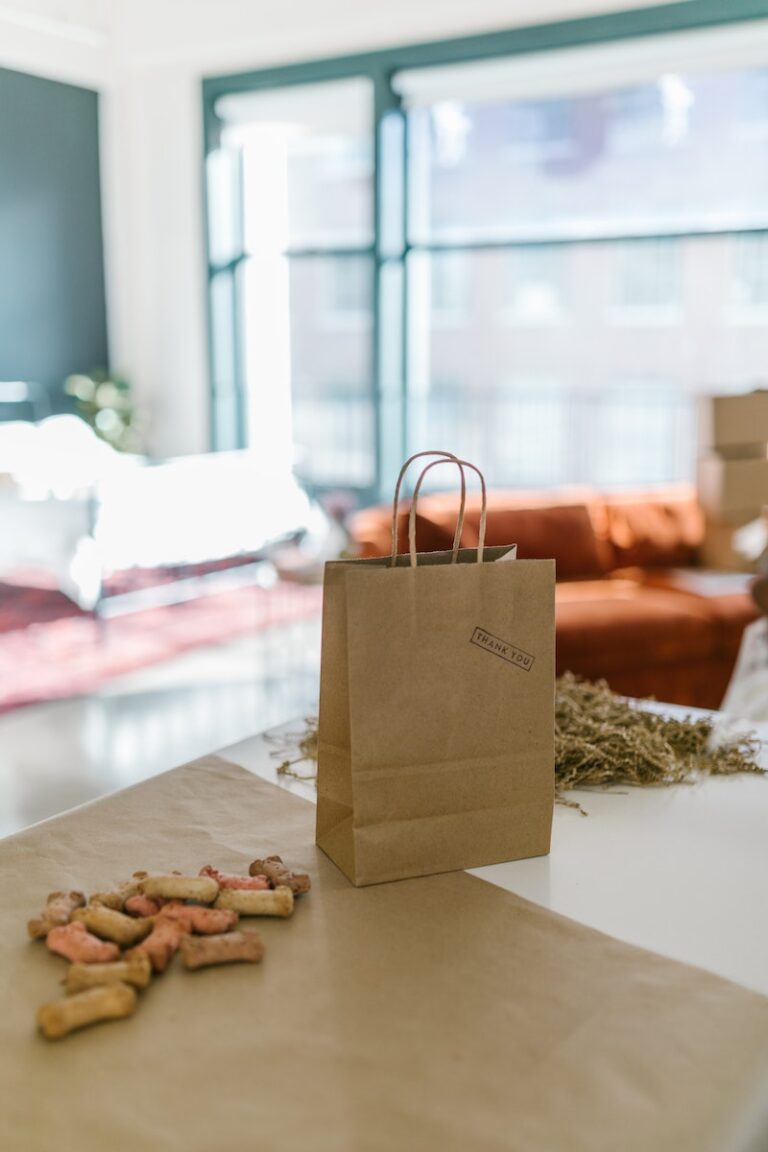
(571, 71)
(336, 107)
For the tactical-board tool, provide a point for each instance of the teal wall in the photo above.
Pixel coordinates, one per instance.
(52, 307)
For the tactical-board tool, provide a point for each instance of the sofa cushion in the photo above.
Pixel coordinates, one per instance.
(697, 684)
(663, 530)
(432, 537)
(724, 595)
(562, 532)
(733, 613)
(371, 531)
(607, 625)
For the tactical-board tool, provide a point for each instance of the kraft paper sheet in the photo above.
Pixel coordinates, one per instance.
(432, 1014)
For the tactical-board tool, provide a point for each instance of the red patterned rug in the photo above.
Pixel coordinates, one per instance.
(49, 649)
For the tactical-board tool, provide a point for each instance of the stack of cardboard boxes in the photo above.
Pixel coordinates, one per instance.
(732, 472)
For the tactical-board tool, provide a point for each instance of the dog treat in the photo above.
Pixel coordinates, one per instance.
(110, 1002)
(194, 918)
(111, 925)
(161, 943)
(277, 903)
(111, 900)
(140, 905)
(279, 876)
(252, 883)
(74, 942)
(178, 887)
(117, 897)
(154, 916)
(232, 947)
(58, 909)
(136, 970)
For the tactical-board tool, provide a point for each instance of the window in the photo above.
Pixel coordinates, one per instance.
(449, 286)
(536, 291)
(749, 279)
(648, 286)
(537, 259)
(642, 427)
(660, 158)
(299, 271)
(350, 288)
(751, 122)
(541, 130)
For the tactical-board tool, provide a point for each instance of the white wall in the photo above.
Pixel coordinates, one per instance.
(148, 58)
(154, 249)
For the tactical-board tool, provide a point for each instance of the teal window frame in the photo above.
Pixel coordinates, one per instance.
(390, 241)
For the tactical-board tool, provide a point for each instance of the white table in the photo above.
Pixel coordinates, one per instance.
(681, 871)
(438, 1013)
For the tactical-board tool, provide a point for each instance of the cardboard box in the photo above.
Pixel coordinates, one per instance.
(734, 426)
(732, 490)
(719, 548)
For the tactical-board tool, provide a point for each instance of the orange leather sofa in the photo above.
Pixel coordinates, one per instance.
(633, 605)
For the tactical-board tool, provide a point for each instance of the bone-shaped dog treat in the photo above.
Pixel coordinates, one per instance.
(277, 903)
(194, 918)
(117, 897)
(136, 970)
(161, 943)
(173, 887)
(140, 905)
(232, 947)
(111, 925)
(110, 1002)
(252, 883)
(75, 943)
(278, 875)
(58, 910)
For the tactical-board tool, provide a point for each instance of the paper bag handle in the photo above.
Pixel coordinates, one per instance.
(445, 456)
(461, 465)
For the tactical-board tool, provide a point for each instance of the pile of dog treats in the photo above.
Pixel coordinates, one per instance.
(115, 941)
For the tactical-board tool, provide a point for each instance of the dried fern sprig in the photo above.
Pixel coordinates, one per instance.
(602, 740)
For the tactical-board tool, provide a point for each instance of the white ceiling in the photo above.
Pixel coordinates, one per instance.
(87, 20)
(247, 33)
(93, 39)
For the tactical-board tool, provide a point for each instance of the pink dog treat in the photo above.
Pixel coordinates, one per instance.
(232, 880)
(204, 921)
(161, 943)
(140, 905)
(75, 943)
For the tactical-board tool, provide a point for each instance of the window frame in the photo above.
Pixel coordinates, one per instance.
(391, 246)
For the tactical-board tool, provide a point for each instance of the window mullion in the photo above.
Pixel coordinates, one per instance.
(389, 292)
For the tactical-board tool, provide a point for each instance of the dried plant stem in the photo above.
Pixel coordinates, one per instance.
(297, 748)
(601, 740)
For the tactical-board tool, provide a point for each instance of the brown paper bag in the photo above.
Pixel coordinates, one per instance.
(436, 737)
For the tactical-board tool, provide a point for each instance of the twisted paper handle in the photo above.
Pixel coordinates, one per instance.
(443, 458)
(461, 465)
(396, 502)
